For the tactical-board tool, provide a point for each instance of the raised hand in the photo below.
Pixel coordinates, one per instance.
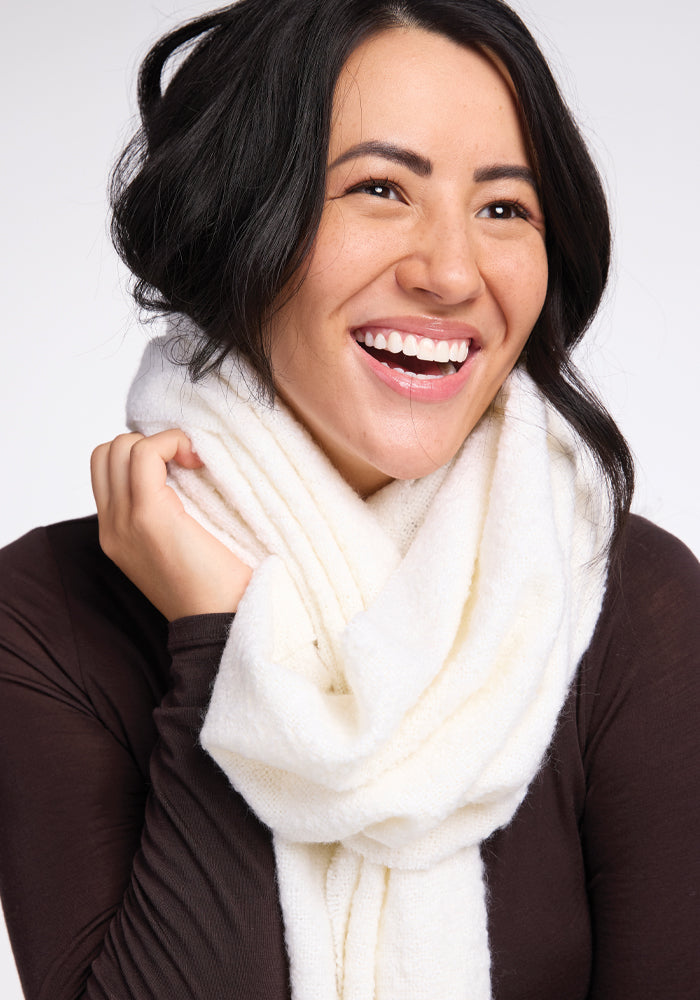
(179, 566)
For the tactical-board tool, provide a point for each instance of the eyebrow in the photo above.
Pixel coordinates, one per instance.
(505, 172)
(422, 166)
(388, 151)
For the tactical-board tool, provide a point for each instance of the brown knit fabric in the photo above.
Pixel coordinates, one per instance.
(130, 869)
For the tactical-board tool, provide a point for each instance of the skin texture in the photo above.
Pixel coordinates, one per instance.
(173, 560)
(393, 243)
(434, 240)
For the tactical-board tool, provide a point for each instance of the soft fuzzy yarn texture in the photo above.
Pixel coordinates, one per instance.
(395, 670)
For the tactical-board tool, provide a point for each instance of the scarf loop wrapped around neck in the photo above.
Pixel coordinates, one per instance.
(395, 670)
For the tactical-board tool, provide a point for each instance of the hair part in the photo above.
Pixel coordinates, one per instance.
(217, 199)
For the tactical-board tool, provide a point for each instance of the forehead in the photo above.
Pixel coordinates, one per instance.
(423, 90)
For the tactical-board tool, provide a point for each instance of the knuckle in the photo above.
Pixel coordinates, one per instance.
(100, 452)
(123, 444)
(140, 443)
(141, 448)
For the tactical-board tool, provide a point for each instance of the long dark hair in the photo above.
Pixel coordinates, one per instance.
(217, 199)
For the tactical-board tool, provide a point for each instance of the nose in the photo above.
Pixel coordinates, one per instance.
(441, 263)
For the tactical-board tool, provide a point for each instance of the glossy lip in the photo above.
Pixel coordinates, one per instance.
(424, 326)
(421, 390)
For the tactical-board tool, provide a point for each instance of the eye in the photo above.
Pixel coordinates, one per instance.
(386, 189)
(503, 210)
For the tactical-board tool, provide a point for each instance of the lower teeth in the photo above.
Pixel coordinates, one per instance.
(447, 367)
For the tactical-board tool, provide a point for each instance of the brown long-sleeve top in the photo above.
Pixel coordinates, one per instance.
(129, 868)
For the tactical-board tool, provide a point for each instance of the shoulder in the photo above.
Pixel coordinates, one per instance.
(73, 628)
(57, 577)
(43, 559)
(644, 657)
(656, 564)
(654, 590)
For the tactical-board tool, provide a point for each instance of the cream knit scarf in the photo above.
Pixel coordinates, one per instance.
(395, 670)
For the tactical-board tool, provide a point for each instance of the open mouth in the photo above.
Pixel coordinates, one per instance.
(421, 357)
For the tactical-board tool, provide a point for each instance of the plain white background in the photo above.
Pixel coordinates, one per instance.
(70, 338)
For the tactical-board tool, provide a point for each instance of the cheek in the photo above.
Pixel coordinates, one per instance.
(350, 251)
(333, 246)
(523, 282)
(539, 278)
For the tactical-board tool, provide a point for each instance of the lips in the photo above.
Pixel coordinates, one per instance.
(424, 359)
(395, 348)
(417, 347)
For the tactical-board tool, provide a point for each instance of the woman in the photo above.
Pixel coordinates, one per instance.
(430, 713)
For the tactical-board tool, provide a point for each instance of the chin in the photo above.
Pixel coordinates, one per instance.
(409, 464)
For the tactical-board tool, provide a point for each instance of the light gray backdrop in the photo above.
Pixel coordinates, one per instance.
(70, 340)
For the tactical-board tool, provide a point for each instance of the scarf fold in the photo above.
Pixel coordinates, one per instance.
(395, 670)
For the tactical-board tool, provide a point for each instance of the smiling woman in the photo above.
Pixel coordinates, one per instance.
(431, 241)
(345, 692)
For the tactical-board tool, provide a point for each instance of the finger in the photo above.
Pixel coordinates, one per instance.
(149, 458)
(109, 464)
(99, 475)
(185, 455)
(119, 471)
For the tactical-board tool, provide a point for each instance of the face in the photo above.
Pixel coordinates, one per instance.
(429, 268)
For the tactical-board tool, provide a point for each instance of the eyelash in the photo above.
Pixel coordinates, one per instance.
(521, 212)
(371, 185)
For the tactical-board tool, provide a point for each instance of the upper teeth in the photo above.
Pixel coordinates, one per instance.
(419, 347)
